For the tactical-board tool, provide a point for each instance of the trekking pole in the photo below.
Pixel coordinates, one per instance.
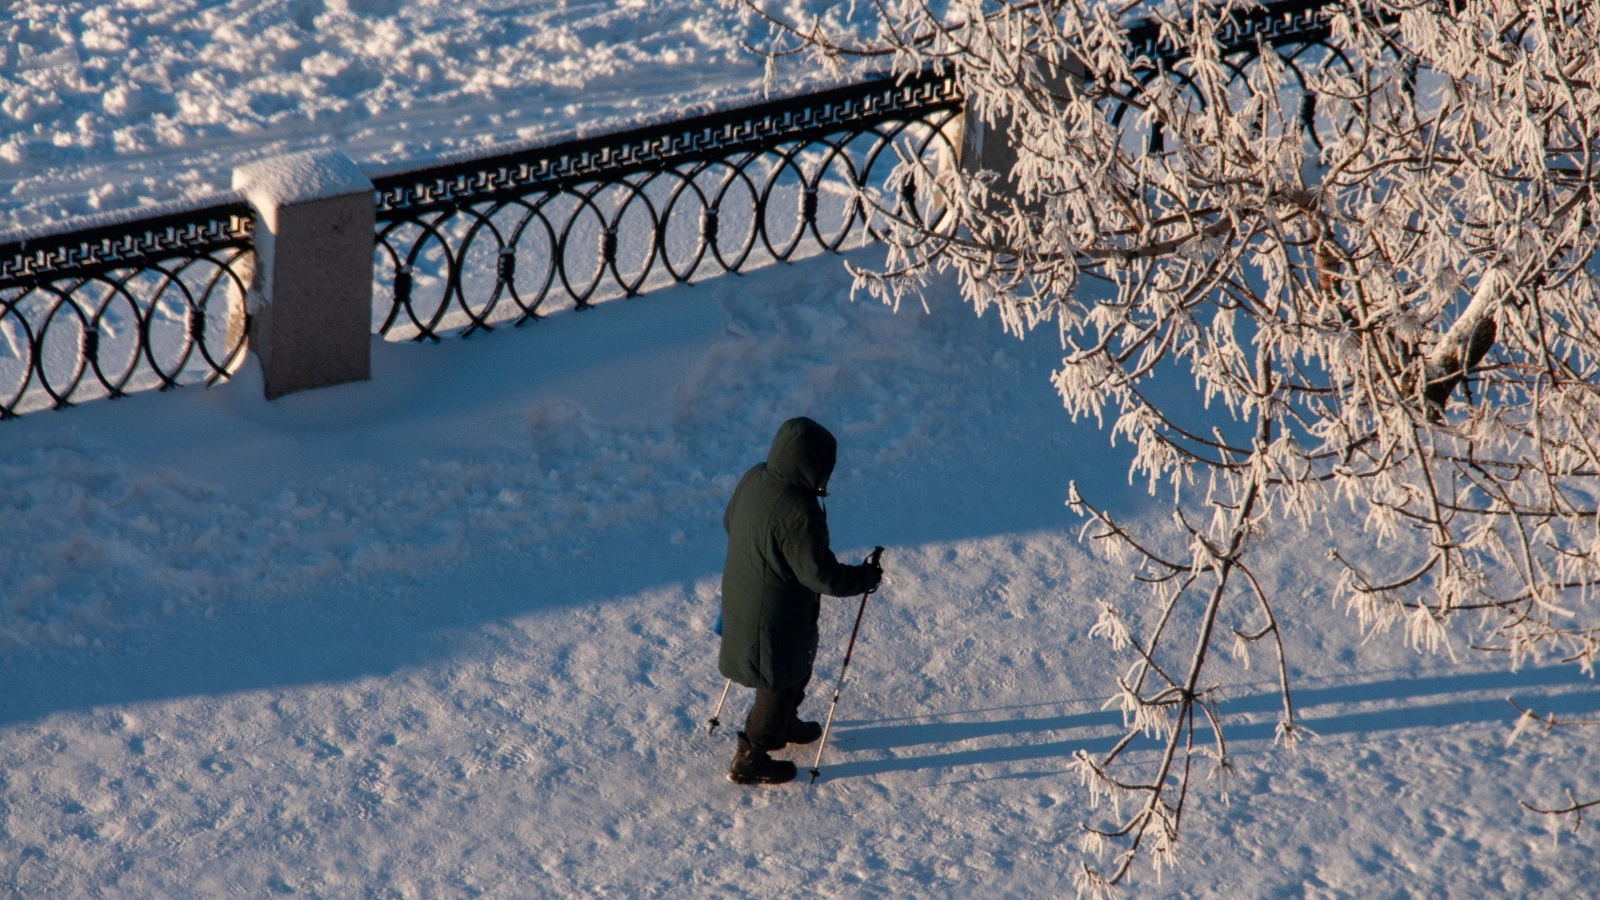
(871, 560)
(714, 721)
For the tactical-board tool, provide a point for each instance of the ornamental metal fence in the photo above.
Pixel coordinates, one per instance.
(468, 246)
(149, 304)
(1299, 32)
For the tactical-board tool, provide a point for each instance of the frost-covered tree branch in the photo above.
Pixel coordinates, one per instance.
(1374, 254)
(1528, 720)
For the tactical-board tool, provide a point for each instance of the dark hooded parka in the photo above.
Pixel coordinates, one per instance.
(779, 561)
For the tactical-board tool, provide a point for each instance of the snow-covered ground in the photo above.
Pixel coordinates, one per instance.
(110, 106)
(446, 633)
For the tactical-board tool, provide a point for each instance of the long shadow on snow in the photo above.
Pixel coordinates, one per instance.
(870, 737)
(336, 633)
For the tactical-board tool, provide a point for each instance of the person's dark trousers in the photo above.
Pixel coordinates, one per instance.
(767, 727)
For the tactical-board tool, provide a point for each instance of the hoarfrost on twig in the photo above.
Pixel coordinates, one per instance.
(1373, 256)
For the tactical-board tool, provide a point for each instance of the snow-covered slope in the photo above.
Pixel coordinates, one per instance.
(446, 634)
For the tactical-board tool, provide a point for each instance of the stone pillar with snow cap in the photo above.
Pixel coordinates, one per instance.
(311, 298)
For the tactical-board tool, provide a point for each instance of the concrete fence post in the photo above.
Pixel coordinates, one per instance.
(984, 148)
(991, 148)
(310, 297)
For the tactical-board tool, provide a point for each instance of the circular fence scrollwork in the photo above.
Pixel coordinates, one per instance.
(100, 315)
(464, 251)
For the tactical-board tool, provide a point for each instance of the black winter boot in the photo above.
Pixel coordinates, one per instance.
(802, 732)
(754, 766)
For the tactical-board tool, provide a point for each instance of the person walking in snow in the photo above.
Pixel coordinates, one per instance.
(778, 564)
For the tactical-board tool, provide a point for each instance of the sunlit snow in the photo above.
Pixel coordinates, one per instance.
(447, 632)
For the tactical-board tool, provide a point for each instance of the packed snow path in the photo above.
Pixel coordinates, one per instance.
(446, 634)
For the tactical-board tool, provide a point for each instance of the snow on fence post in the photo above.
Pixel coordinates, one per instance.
(311, 296)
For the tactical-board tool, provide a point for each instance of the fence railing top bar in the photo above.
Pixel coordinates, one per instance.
(116, 218)
(188, 232)
(1284, 22)
(713, 135)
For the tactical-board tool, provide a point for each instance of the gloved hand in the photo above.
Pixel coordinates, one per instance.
(874, 570)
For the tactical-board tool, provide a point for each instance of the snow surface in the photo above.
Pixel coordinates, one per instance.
(111, 106)
(447, 633)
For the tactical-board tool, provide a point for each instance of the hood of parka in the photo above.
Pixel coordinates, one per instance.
(803, 454)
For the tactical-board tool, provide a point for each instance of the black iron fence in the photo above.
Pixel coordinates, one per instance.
(464, 246)
(1286, 22)
(102, 312)
(1298, 31)
(470, 245)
